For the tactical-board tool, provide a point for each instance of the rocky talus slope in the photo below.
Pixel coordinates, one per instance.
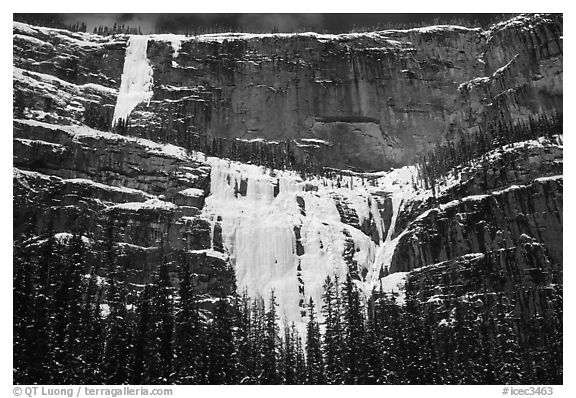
(365, 101)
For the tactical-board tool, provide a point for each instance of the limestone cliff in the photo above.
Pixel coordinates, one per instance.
(366, 101)
(372, 100)
(134, 196)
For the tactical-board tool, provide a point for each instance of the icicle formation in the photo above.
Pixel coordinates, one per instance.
(286, 234)
(137, 81)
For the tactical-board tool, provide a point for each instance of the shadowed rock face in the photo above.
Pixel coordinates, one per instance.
(65, 77)
(377, 99)
(501, 168)
(365, 101)
(498, 231)
(523, 59)
(139, 198)
(74, 57)
(485, 223)
(480, 279)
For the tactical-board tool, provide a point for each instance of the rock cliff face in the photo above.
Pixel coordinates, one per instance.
(481, 277)
(485, 223)
(377, 99)
(523, 71)
(135, 196)
(66, 77)
(498, 230)
(373, 100)
(365, 101)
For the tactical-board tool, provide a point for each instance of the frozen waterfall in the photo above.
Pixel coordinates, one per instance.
(286, 234)
(137, 81)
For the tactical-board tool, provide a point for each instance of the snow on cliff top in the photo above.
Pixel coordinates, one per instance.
(522, 22)
(41, 80)
(89, 39)
(165, 150)
(81, 39)
(23, 176)
(434, 29)
(382, 36)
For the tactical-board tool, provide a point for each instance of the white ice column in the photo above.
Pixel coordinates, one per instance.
(137, 81)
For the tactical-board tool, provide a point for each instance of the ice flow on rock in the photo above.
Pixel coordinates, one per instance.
(285, 236)
(137, 80)
(281, 233)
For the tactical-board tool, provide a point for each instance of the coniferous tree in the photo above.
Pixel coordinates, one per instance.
(390, 339)
(23, 322)
(411, 338)
(290, 353)
(142, 336)
(553, 337)
(374, 353)
(459, 340)
(270, 346)
(243, 338)
(258, 340)
(508, 360)
(164, 308)
(314, 361)
(65, 327)
(74, 331)
(92, 343)
(300, 370)
(354, 365)
(189, 335)
(429, 360)
(332, 343)
(467, 347)
(43, 309)
(487, 344)
(117, 328)
(221, 351)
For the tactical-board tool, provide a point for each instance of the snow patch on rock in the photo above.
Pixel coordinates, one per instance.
(151, 204)
(394, 285)
(192, 192)
(65, 237)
